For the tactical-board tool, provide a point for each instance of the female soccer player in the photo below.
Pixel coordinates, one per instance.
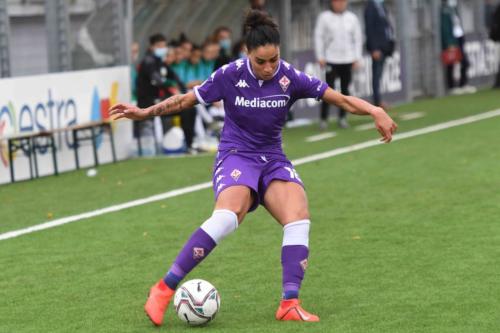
(250, 167)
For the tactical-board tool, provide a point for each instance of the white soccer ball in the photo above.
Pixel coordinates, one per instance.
(196, 302)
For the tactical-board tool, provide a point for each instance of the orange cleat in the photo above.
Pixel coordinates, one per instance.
(159, 298)
(290, 309)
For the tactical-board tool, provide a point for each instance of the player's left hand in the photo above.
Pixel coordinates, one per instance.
(384, 124)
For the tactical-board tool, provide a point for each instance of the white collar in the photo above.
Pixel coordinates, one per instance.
(251, 72)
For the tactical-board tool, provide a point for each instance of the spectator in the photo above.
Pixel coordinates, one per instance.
(380, 42)
(452, 45)
(239, 50)
(151, 78)
(210, 52)
(222, 35)
(338, 44)
(495, 36)
(194, 69)
(182, 52)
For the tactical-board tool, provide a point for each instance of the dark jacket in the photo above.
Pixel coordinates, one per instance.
(153, 76)
(447, 37)
(378, 29)
(495, 25)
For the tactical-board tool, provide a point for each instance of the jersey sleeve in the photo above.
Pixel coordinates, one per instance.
(212, 89)
(307, 86)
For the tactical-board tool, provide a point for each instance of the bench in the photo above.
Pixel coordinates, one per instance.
(33, 142)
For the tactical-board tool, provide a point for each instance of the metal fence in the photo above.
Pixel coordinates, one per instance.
(38, 36)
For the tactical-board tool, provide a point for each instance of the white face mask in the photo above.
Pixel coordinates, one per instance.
(161, 52)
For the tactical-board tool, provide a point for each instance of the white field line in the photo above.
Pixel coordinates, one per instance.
(364, 127)
(412, 115)
(202, 186)
(320, 137)
(403, 117)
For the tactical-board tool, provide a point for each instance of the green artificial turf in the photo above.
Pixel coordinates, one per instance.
(404, 238)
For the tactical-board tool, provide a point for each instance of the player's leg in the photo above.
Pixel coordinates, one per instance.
(231, 207)
(345, 74)
(286, 201)
(325, 107)
(377, 71)
(235, 178)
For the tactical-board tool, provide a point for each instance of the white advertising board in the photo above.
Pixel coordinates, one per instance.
(55, 101)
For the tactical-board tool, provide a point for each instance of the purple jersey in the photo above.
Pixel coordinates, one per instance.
(256, 110)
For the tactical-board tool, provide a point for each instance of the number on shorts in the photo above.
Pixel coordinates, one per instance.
(293, 174)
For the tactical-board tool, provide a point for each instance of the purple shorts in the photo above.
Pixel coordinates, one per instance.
(254, 170)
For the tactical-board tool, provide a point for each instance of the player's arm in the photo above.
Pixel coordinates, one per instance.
(385, 125)
(172, 104)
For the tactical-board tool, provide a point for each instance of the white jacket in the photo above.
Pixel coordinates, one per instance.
(338, 38)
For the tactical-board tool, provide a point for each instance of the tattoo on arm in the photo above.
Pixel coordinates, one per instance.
(170, 105)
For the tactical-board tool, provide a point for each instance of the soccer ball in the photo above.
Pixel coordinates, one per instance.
(196, 302)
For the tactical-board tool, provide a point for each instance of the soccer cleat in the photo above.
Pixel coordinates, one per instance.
(159, 298)
(290, 309)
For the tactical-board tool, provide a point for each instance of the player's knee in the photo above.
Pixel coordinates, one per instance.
(296, 214)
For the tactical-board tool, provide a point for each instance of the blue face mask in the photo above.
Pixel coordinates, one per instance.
(160, 52)
(225, 44)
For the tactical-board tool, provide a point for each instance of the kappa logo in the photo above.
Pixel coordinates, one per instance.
(219, 178)
(238, 63)
(304, 264)
(284, 83)
(198, 252)
(224, 68)
(262, 157)
(319, 87)
(235, 174)
(242, 84)
(221, 185)
(219, 169)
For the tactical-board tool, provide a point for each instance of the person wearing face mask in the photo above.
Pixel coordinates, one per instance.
(380, 42)
(222, 35)
(338, 46)
(453, 39)
(153, 77)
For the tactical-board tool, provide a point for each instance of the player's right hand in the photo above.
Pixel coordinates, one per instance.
(124, 110)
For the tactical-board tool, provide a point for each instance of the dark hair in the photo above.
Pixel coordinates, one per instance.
(173, 44)
(183, 39)
(156, 38)
(219, 29)
(260, 29)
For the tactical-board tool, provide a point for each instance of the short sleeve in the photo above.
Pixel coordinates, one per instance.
(307, 86)
(212, 90)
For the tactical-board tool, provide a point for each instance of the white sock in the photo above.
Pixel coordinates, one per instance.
(220, 224)
(296, 233)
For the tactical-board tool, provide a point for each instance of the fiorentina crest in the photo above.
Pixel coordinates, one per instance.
(303, 264)
(198, 252)
(284, 83)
